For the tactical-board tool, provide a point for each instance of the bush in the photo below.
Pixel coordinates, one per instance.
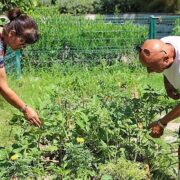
(84, 129)
(176, 30)
(78, 6)
(124, 170)
(25, 5)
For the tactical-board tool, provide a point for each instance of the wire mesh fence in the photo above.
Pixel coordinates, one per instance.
(94, 38)
(161, 26)
(12, 63)
(104, 37)
(77, 38)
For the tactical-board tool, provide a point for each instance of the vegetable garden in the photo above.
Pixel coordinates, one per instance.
(95, 101)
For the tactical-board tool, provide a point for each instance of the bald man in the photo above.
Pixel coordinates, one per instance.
(163, 56)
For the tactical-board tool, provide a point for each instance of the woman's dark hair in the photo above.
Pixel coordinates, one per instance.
(24, 26)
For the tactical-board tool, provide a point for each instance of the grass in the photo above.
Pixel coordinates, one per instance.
(36, 85)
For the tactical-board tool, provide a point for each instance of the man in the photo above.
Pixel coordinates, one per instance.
(163, 56)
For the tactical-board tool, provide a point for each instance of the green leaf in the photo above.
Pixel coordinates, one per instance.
(106, 177)
(3, 154)
(51, 148)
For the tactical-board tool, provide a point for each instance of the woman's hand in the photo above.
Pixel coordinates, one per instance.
(156, 130)
(32, 116)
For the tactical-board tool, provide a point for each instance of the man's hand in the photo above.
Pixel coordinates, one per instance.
(156, 130)
(32, 116)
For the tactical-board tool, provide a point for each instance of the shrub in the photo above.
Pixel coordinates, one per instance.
(124, 170)
(176, 30)
(80, 132)
(78, 6)
(25, 5)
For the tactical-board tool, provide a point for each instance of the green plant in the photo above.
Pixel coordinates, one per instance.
(109, 125)
(24, 5)
(69, 38)
(78, 6)
(176, 29)
(91, 116)
(123, 169)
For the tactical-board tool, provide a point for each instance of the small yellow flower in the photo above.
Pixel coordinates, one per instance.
(80, 140)
(14, 157)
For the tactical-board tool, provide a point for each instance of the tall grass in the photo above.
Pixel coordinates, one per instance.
(66, 37)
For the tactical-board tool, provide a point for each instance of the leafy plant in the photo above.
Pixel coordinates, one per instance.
(123, 169)
(24, 5)
(78, 6)
(112, 126)
(74, 39)
(176, 30)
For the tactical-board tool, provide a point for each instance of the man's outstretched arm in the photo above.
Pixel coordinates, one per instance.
(157, 126)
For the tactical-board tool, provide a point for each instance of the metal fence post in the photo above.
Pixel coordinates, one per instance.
(18, 64)
(152, 28)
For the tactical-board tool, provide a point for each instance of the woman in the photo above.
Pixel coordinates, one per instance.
(20, 31)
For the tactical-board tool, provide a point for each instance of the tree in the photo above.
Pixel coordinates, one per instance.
(125, 6)
(25, 5)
